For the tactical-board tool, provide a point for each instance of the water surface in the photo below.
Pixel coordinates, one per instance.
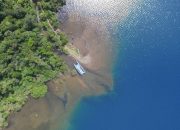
(146, 74)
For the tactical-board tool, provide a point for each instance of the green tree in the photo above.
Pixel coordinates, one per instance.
(27, 57)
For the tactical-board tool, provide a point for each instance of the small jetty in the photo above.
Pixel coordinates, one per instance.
(79, 68)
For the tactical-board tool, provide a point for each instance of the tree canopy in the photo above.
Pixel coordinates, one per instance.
(28, 41)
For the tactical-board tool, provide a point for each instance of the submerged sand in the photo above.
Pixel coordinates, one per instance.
(53, 112)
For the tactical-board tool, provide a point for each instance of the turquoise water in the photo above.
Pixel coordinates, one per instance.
(146, 75)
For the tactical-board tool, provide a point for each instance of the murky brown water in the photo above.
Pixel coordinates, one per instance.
(53, 111)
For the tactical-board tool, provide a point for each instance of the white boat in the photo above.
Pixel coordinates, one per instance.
(79, 68)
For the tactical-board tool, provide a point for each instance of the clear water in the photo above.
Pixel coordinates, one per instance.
(146, 74)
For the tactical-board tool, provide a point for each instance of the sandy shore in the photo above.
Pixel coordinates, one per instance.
(54, 110)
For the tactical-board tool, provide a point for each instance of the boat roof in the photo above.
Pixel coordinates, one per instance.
(79, 68)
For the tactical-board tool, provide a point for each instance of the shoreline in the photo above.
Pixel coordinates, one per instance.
(54, 110)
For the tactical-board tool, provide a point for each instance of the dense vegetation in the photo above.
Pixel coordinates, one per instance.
(28, 40)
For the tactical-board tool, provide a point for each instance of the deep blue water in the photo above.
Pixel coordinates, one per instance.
(146, 75)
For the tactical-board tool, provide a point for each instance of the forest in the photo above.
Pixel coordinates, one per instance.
(28, 42)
